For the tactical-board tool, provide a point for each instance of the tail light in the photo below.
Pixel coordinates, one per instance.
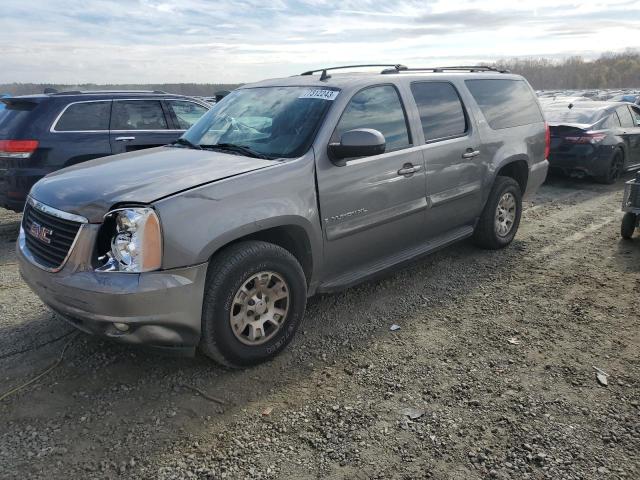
(17, 148)
(587, 137)
(547, 140)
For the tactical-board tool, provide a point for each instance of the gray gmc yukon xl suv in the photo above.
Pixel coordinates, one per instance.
(284, 189)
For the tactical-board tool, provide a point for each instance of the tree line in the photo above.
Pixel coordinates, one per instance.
(620, 70)
(610, 70)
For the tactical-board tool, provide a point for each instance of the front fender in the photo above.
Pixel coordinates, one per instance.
(200, 221)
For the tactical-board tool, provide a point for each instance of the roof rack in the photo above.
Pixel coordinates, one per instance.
(99, 92)
(324, 76)
(465, 68)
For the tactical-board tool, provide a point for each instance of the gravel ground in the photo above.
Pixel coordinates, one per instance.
(491, 374)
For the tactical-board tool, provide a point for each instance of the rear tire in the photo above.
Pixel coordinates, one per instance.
(614, 169)
(628, 226)
(255, 297)
(500, 218)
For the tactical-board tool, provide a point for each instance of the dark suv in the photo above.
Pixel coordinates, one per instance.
(40, 134)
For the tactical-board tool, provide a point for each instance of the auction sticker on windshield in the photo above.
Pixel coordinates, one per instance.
(321, 93)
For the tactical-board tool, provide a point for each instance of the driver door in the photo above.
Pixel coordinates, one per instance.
(372, 208)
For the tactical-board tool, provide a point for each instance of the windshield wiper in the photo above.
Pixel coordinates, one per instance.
(186, 143)
(241, 149)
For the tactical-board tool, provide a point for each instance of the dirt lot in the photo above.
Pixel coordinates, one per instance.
(490, 376)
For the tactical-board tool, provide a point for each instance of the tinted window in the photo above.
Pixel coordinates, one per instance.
(378, 108)
(187, 113)
(610, 122)
(626, 120)
(636, 115)
(441, 111)
(85, 116)
(138, 115)
(505, 103)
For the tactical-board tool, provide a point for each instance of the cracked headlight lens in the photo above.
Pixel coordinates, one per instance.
(136, 244)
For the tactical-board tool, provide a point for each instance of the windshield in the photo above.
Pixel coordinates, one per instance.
(572, 115)
(275, 122)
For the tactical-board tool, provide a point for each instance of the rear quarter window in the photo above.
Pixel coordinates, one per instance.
(505, 103)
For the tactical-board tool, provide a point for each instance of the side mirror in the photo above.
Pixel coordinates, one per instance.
(361, 142)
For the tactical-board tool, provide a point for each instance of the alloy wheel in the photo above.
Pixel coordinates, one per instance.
(259, 308)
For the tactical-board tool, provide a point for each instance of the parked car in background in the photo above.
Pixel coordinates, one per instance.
(626, 97)
(598, 139)
(40, 134)
(285, 188)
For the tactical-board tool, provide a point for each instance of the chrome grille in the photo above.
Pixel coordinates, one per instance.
(49, 238)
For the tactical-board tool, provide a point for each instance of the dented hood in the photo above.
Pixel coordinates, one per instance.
(91, 188)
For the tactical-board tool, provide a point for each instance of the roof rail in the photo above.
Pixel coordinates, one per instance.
(324, 76)
(464, 68)
(102, 92)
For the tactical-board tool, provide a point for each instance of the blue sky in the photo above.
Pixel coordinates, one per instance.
(143, 41)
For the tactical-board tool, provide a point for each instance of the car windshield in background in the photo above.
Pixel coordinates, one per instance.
(567, 115)
(273, 122)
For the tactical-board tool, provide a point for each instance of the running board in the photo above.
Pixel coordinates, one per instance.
(372, 269)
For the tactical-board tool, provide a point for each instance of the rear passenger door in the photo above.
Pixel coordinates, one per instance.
(139, 124)
(452, 157)
(80, 133)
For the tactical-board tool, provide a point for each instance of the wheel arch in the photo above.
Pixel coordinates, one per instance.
(289, 233)
(516, 167)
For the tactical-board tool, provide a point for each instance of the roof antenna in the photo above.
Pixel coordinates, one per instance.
(570, 106)
(324, 76)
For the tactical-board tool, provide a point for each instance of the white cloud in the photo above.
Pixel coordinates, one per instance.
(223, 41)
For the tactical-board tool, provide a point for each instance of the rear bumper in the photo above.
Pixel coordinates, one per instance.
(15, 184)
(163, 309)
(537, 176)
(593, 163)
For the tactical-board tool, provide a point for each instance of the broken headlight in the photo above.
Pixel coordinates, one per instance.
(135, 243)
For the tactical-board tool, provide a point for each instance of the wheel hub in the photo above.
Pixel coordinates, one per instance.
(259, 308)
(505, 214)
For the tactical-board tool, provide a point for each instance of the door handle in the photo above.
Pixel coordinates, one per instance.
(471, 153)
(124, 139)
(409, 169)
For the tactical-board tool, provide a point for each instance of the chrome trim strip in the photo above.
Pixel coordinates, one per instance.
(55, 212)
(52, 129)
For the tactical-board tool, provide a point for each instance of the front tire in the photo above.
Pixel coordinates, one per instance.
(500, 218)
(255, 297)
(628, 226)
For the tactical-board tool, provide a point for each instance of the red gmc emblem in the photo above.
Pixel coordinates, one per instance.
(40, 232)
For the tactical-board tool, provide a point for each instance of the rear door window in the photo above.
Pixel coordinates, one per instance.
(625, 116)
(138, 115)
(378, 108)
(635, 112)
(505, 103)
(187, 113)
(84, 116)
(440, 108)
